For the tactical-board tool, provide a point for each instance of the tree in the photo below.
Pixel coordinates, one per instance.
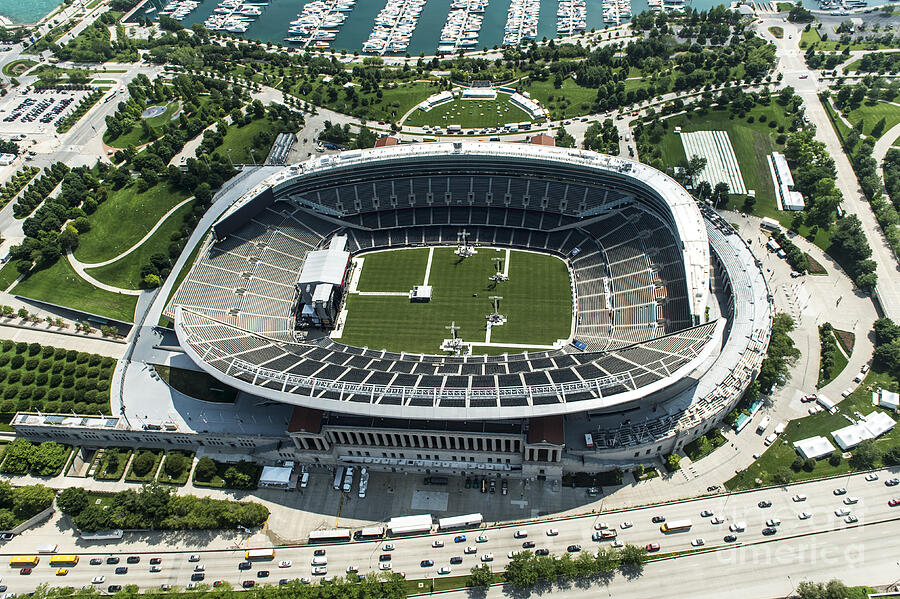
(18, 457)
(205, 469)
(521, 571)
(237, 479)
(864, 456)
(143, 462)
(31, 500)
(481, 576)
(111, 462)
(891, 457)
(91, 519)
(693, 166)
(835, 458)
(175, 465)
(151, 281)
(563, 139)
(72, 500)
(673, 462)
(633, 557)
(607, 560)
(366, 138)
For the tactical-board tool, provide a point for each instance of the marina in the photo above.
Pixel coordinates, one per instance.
(463, 25)
(521, 22)
(179, 9)
(234, 16)
(616, 12)
(317, 23)
(667, 5)
(571, 17)
(394, 27)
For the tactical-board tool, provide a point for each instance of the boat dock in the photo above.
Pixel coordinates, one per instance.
(463, 26)
(234, 16)
(521, 22)
(317, 23)
(571, 17)
(394, 27)
(616, 11)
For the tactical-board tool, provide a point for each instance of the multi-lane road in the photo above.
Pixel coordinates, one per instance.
(823, 532)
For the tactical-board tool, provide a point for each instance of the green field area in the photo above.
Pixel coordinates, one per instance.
(61, 285)
(813, 38)
(870, 113)
(568, 101)
(777, 32)
(393, 270)
(470, 113)
(126, 272)
(537, 302)
(136, 136)
(18, 67)
(240, 141)
(123, 219)
(393, 103)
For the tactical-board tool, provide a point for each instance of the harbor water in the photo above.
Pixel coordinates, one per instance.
(30, 11)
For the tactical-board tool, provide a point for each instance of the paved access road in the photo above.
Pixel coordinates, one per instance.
(793, 536)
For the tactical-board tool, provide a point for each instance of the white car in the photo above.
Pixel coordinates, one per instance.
(872, 476)
(155, 568)
(320, 570)
(851, 500)
(804, 515)
(487, 557)
(437, 544)
(482, 539)
(706, 514)
(194, 558)
(627, 524)
(199, 568)
(352, 569)
(840, 513)
(387, 547)
(511, 554)
(470, 549)
(444, 570)
(285, 564)
(798, 497)
(600, 526)
(384, 565)
(98, 579)
(773, 522)
(738, 527)
(718, 520)
(520, 534)
(698, 543)
(552, 532)
(618, 544)
(306, 580)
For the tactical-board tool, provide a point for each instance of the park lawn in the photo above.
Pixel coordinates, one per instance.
(840, 362)
(136, 136)
(123, 219)
(568, 101)
(133, 478)
(100, 461)
(8, 275)
(126, 272)
(181, 479)
(839, 125)
(752, 142)
(18, 67)
(396, 270)
(393, 104)
(813, 38)
(780, 455)
(240, 141)
(872, 113)
(61, 285)
(536, 300)
(470, 113)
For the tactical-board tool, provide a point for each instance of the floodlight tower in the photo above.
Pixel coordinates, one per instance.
(464, 250)
(498, 276)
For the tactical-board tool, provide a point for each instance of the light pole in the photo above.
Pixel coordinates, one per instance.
(229, 158)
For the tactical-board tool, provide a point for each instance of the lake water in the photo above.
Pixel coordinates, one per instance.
(26, 11)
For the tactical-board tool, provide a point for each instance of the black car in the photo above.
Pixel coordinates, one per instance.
(892, 482)
(456, 560)
(573, 548)
(155, 560)
(318, 552)
(730, 538)
(764, 504)
(247, 584)
(114, 588)
(96, 561)
(426, 563)
(658, 519)
(384, 557)
(197, 576)
(244, 566)
(2, 588)
(262, 574)
(133, 559)
(283, 581)
(112, 560)
(527, 544)
(122, 570)
(769, 531)
(542, 551)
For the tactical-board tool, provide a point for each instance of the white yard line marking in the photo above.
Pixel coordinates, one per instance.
(506, 263)
(357, 271)
(428, 265)
(393, 293)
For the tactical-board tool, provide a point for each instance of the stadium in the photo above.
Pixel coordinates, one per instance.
(474, 307)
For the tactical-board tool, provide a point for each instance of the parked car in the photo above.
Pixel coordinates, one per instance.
(652, 547)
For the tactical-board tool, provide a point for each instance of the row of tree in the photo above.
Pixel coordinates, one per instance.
(526, 569)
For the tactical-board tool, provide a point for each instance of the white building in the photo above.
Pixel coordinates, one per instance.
(533, 109)
(479, 93)
(435, 100)
(784, 184)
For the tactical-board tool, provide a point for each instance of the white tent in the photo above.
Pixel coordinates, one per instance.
(878, 423)
(814, 447)
(888, 399)
(851, 436)
(275, 476)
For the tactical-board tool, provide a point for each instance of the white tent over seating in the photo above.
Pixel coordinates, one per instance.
(814, 447)
(275, 476)
(851, 436)
(888, 399)
(878, 423)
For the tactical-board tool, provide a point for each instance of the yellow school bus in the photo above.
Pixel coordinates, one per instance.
(24, 561)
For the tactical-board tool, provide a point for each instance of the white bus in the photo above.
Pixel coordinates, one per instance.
(467, 521)
(769, 224)
(331, 535)
(338, 478)
(763, 424)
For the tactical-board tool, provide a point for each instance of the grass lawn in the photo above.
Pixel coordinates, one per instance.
(395, 270)
(537, 301)
(240, 141)
(780, 455)
(777, 32)
(136, 136)
(8, 274)
(840, 361)
(393, 104)
(103, 467)
(182, 478)
(872, 113)
(832, 44)
(126, 272)
(568, 101)
(157, 456)
(18, 67)
(470, 113)
(196, 384)
(123, 219)
(61, 285)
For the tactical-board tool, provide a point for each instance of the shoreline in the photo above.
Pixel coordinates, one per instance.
(7, 21)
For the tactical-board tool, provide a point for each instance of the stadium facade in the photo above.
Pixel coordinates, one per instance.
(671, 316)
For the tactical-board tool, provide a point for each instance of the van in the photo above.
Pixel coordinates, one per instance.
(738, 527)
(348, 479)
(319, 560)
(520, 534)
(771, 439)
(304, 480)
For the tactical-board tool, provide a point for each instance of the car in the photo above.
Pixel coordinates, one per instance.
(892, 482)
(627, 524)
(894, 502)
(191, 585)
(841, 512)
(527, 544)
(552, 532)
(738, 527)
(511, 554)
(542, 551)
(155, 560)
(769, 531)
(718, 520)
(658, 519)
(262, 574)
(198, 576)
(851, 500)
(282, 581)
(98, 579)
(96, 561)
(444, 570)
(285, 563)
(248, 584)
(112, 560)
(773, 522)
(132, 559)
(504, 487)
(840, 491)
(764, 503)
(871, 476)
(351, 569)
(456, 559)
(481, 539)
(426, 563)
(437, 544)
(218, 583)
(320, 570)
(459, 539)
(155, 569)
(384, 557)
(319, 552)
(520, 534)
(470, 549)
(652, 547)
(62, 571)
(114, 588)
(384, 566)
(698, 542)
(730, 538)
(618, 543)
(600, 526)
(487, 557)
(808, 398)
(573, 548)
(165, 587)
(804, 515)
(387, 547)
(706, 514)
(244, 565)
(851, 519)
(122, 570)
(199, 568)
(798, 498)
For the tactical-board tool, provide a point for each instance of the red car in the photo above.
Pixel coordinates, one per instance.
(894, 502)
(217, 583)
(652, 547)
(25, 571)
(381, 122)
(248, 584)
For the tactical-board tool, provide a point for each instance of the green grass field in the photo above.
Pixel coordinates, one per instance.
(872, 113)
(240, 141)
(568, 101)
(136, 136)
(470, 113)
(537, 301)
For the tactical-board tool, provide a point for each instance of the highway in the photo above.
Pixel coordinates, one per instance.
(823, 531)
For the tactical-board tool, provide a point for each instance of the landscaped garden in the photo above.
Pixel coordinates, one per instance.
(43, 459)
(110, 463)
(176, 467)
(230, 475)
(144, 465)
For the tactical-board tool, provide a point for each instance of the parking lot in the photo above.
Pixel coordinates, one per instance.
(37, 111)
